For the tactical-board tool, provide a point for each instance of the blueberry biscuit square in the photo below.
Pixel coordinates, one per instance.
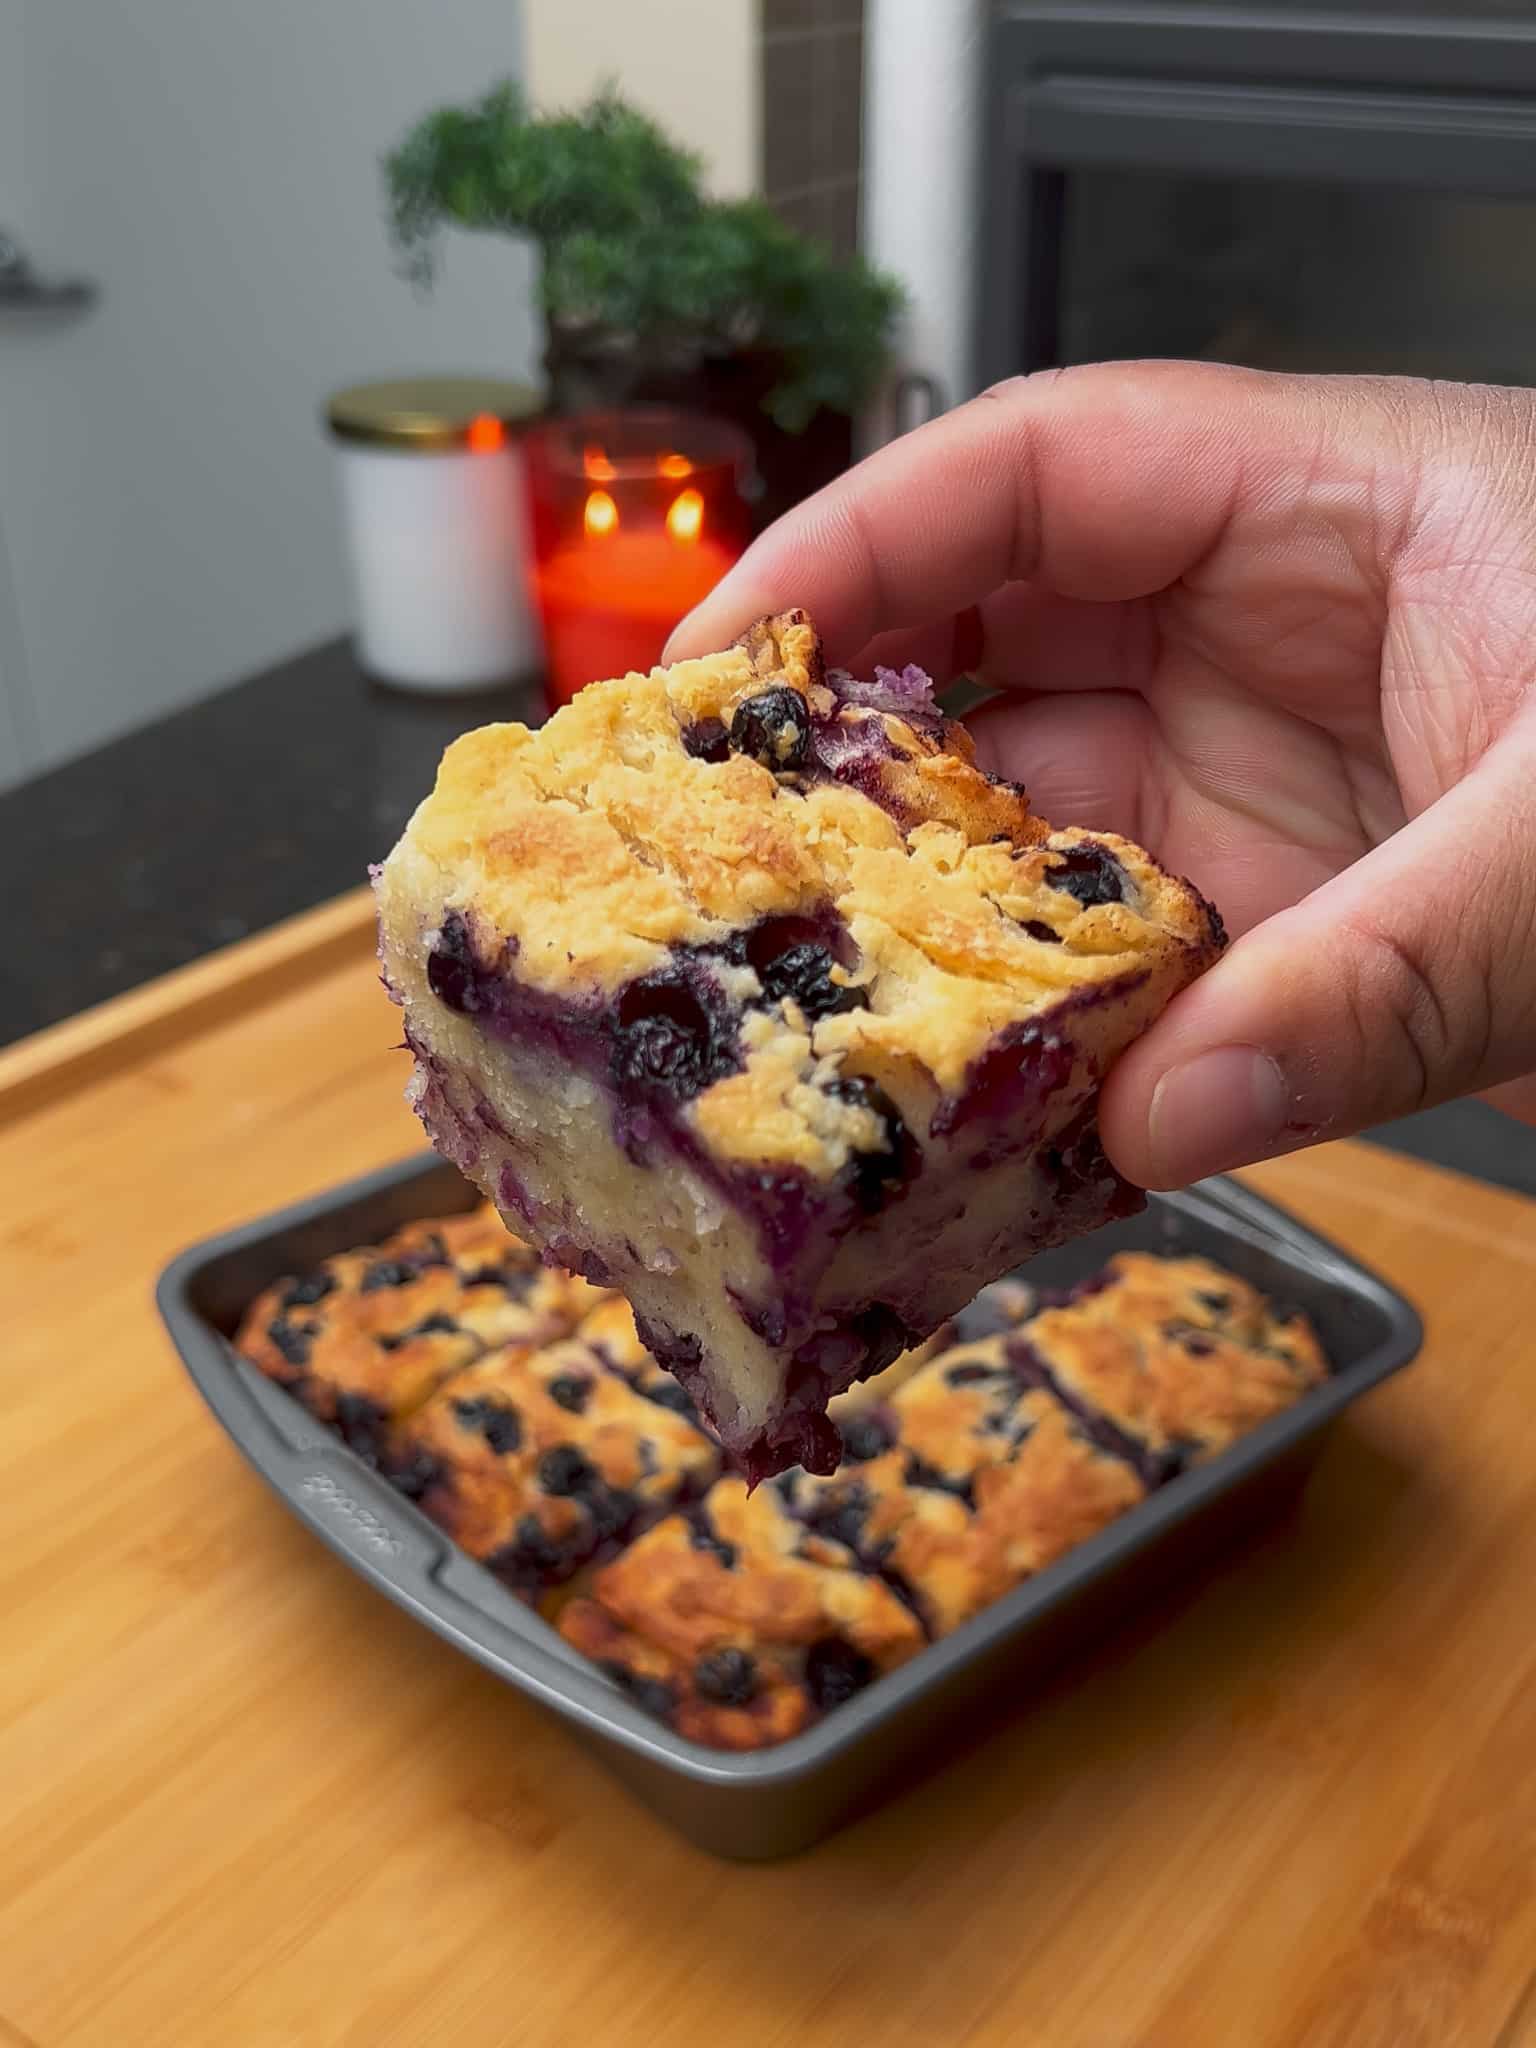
(366, 1336)
(949, 1419)
(738, 987)
(1058, 1488)
(536, 1462)
(739, 1625)
(1169, 1360)
(924, 1541)
(967, 1483)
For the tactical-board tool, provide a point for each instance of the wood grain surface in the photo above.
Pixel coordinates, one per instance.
(244, 1803)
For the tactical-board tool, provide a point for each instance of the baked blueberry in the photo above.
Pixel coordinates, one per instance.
(532, 1557)
(363, 1426)
(571, 1391)
(613, 1509)
(876, 1172)
(835, 1671)
(729, 1677)
(1090, 873)
(389, 1273)
(841, 1519)
(400, 1319)
(436, 1325)
(417, 1474)
(865, 1437)
(671, 1038)
(306, 1292)
(774, 727)
(1149, 1386)
(968, 1375)
(500, 1425)
(919, 1472)
(564, 1470)
(706, 740)
(804, 974)
(452, 970)
(654, 1694)
(291, 1341)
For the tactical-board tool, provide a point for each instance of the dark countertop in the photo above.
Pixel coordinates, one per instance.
(257, 802)
(272, 796)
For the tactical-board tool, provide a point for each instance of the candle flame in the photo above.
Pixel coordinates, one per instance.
(485, 434)
(676, 465)
(596, 465)
(601, 515)
(685, 515)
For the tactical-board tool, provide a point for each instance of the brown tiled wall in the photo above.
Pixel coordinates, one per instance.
(811, 82)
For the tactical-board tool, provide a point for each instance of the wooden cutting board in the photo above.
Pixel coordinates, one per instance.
(244, 1803)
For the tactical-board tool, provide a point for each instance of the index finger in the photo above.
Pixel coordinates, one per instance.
(1104, 483)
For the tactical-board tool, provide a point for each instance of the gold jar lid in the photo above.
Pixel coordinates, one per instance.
(427, 413)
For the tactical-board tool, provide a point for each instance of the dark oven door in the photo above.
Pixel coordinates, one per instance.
(1294, 191)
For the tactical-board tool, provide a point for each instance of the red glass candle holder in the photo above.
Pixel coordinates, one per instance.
(636, 516)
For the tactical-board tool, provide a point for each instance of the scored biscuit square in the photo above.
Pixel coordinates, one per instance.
(362, 1339)
(538, 1461)
(738, 1624)
(1169, 1360)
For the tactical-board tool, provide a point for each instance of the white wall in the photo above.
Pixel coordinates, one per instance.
(165, 490)
(15, 703)
(693, 64)
(923, 77)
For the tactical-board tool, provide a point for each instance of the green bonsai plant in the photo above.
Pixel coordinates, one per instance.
(643, 278)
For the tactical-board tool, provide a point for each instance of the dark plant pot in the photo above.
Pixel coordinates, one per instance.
(585, 374)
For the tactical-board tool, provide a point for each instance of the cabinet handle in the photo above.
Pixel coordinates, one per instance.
(22, 290)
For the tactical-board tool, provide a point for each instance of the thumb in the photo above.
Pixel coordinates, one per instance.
(1407, 980)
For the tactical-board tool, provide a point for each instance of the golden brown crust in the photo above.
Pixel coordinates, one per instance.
(1057, 1491)
(983, 1483)
(384, 1325)
(953, 1414)
(535, 1460)
(585, 853)
(750, 1579)
(1182, 1355)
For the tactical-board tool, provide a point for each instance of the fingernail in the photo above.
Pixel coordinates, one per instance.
(1222, 1108)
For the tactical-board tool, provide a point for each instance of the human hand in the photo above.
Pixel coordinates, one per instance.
(1281, 630)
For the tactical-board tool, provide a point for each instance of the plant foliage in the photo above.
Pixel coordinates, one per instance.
(634, 255)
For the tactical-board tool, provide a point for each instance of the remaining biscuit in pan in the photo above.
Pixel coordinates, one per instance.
(363, 1338)
(538, 1461)
(738, 1624)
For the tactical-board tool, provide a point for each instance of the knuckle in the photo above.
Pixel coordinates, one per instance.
(1421, 1005)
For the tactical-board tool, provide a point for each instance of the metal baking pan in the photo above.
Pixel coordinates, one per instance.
(773, 1802)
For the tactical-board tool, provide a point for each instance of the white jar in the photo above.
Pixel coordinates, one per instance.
(433, 498)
